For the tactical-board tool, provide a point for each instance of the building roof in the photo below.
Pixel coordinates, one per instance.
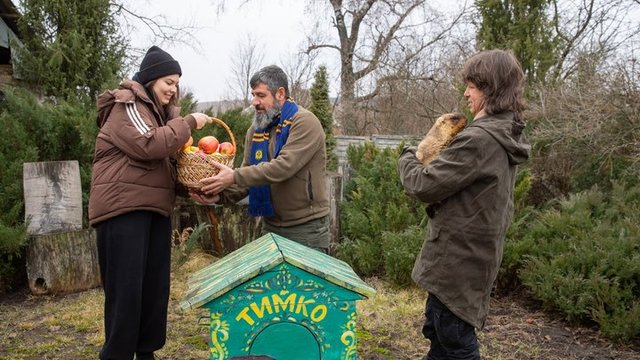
(260, 256)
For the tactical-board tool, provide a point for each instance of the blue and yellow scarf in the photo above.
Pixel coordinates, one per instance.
(260, 196)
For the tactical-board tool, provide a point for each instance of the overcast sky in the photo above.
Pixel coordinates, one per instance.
(206, 70)
(279, 25)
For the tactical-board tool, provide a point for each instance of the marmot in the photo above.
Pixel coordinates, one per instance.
(439, 136)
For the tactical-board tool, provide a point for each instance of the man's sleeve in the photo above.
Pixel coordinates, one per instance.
(306, 137)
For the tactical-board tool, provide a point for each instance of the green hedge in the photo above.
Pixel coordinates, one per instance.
(34, 131)
(379, 223)
(582, 258)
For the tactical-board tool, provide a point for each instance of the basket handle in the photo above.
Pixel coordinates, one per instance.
(221, 123)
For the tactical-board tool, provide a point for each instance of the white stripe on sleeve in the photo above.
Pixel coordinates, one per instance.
(136, 119)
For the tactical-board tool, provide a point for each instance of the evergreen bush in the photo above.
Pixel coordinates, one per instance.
(400, 250)
(582, 258)
(377, 217)
(32, 132)
(523, 214)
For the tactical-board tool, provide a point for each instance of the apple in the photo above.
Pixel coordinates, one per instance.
(188, 144)
(191, 149)
(208, 144)
(227, 148)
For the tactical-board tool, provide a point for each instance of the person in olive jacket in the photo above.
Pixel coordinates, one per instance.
(133, 189)
(470, 191)
(283, 170)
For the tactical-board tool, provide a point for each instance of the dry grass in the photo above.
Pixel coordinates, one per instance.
(390, 323)
(70, 327)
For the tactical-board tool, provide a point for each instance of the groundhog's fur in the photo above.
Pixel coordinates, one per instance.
(439, 136)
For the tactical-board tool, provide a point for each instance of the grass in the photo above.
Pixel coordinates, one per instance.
(70, 327)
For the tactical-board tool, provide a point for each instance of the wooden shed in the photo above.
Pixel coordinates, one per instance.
(275, 297)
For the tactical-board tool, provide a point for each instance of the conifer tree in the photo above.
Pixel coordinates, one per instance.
(71, 48)
(522, 26)
(188, 103)
(321, 107)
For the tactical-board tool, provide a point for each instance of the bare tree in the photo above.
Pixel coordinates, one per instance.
(299, 67)
(380, 45)
(300, 70)
(374, 35)
(163, 30)
(246, 60)
(160, 27)
(598, 28)
(411, 106)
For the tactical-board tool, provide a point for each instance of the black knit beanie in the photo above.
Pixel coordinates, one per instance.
(156, 64)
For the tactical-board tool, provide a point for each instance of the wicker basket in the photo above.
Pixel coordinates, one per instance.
(193, 167)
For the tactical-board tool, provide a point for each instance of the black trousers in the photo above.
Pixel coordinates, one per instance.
(451, 337)
(134, 252)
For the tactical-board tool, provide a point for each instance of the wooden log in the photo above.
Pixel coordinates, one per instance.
(61, 257)
(52, 197)
(232, 227)
(215, 235)
(62, 262)
(208, 237)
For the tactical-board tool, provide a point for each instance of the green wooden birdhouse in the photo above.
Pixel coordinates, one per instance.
(277, 298)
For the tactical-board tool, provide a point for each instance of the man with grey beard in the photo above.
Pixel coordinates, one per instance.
(283, 169)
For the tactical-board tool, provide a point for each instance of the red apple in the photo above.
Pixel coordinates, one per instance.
(227, 148)
(208, 144)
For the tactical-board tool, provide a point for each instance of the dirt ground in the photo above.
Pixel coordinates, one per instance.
(520, 323)
(516, 329)
(70, 327)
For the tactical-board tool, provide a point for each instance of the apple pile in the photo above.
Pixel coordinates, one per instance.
(209, 145)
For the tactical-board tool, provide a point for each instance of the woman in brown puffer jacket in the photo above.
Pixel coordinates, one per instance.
(132, 193)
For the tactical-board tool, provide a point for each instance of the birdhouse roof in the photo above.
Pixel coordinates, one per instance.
(260, 256)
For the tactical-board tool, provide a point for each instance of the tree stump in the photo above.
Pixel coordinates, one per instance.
(237, 227)
(61, 257)
(232, 227)
(52, 196)
(63, 262)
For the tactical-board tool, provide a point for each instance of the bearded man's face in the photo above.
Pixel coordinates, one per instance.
(265, 104)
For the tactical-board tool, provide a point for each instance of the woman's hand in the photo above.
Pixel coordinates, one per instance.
(201, 120)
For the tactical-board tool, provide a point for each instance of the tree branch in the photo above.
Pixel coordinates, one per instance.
(382, 43)
(159, 28)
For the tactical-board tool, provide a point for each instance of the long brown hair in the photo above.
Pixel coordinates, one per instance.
(498, 74)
